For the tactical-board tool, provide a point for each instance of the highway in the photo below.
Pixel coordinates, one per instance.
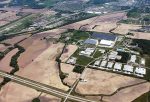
(43, 88)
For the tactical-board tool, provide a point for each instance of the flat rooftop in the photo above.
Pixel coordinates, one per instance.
(104, 36)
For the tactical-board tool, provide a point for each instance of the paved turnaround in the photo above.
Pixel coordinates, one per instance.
(43, 87)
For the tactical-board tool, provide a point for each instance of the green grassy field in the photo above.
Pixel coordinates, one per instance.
(97, 54)
(82, 60)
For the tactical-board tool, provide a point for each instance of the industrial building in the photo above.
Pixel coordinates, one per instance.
(139, 71)
(112, 55)
(104, 36)
(105, 40)
(110, 65)
(117, 67)
(97, 63)
(103, 63)
(128, 69)
(72, 60)
(133, 58)
(91, 41)
(87, 52)
(106, 43)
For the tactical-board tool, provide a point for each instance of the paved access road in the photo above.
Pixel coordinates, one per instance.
(42, 87)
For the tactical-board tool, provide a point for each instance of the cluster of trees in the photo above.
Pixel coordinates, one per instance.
(134, 13)
(79, 17)
(14, 62)
(36, 100)
(1, 55)
(144, 45)
(137, 11)
(125, 57)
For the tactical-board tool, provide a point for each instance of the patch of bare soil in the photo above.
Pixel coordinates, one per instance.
(72, 76)
(35, 45)
(5, 62)
(44, 68)
(13, 92)
(101, 82)
(99, 24)
(70, 49)
(3, 47)
(129, 94)
(16, 39)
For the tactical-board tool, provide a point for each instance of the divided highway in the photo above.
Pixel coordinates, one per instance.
(42, 87)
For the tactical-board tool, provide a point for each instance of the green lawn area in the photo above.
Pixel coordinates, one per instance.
(147, 63)
(75, 36)
(97, 54)
(81, 60)
(147, 76)
(80, 35)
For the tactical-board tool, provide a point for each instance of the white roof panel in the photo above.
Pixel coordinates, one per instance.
(118, 66)
(128, 68)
